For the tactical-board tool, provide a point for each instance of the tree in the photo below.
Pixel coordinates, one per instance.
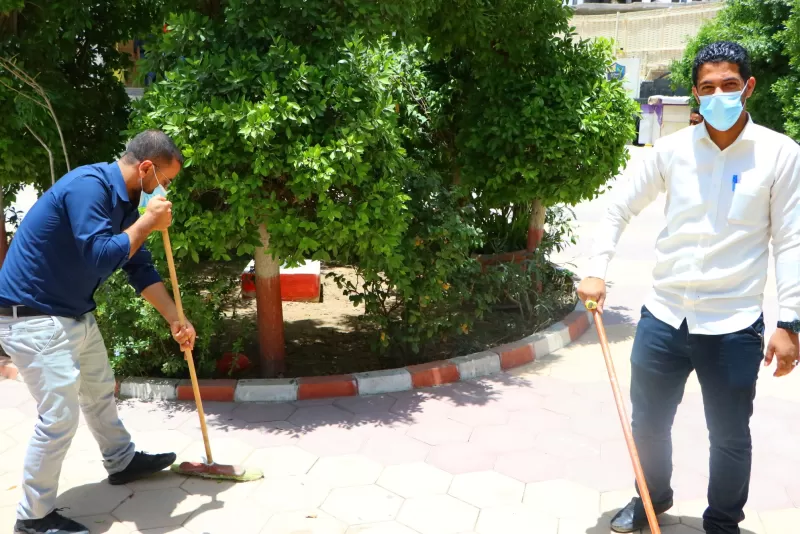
(305, 123)
(525, 112)
(787, 89)
(68, 49)
(285, 112)
(759, 26)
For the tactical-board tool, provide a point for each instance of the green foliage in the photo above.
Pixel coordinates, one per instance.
(556, 135)
(525, 110)
(438, 290)
(787, 89)
(70, 48)
(429, 286)
(7, 6)
(309, 147)
(381, 134)
(759, 26)
(138, 339)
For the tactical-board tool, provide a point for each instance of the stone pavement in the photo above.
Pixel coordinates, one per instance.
(535, 451)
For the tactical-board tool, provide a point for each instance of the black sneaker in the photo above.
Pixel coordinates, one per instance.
(633, 518)
(142, 465)
(53, 523)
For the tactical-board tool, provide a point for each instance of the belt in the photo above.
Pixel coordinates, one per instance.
(21, 311)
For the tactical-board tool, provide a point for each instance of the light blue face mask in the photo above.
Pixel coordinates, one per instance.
(145, 197)
(722, 110)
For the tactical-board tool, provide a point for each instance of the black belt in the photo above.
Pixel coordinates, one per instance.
(22, 311)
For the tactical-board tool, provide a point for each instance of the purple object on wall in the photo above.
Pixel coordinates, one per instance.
(658, 109)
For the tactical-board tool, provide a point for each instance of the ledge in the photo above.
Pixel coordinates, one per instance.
(493, 361)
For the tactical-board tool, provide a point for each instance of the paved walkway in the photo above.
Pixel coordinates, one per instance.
(537, 451)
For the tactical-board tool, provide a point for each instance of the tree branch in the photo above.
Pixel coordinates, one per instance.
(60, 133)
(20, 93)
(49, 154)
(21, 75)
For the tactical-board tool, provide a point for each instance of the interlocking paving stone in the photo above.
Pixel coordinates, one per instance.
(362, 504)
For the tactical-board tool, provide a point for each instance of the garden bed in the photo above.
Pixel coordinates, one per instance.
(328, 338)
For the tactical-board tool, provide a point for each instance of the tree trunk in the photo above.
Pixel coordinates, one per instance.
(536, 225)
(3, 236)
(272, 346)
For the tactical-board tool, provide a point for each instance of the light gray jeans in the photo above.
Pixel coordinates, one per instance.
(65, 366)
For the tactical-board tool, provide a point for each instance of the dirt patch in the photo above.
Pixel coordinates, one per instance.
(328, 338)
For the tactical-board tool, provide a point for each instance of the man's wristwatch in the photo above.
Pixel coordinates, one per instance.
(793, 326)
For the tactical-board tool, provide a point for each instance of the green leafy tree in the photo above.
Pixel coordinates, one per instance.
(316, 129)
(68, 48)
(525, 112)
(787, 89)
(759, 26)
(285, 113)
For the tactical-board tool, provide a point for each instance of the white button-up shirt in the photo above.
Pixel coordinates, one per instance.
(722, 209)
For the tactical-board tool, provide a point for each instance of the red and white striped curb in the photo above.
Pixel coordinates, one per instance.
(492, 361)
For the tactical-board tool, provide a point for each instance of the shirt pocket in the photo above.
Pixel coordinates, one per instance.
(749, 206)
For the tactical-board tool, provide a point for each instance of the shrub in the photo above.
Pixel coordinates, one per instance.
(435, 288)
(429, 286)
(138, 339)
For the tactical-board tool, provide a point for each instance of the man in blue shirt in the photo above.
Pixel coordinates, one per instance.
(77, 234)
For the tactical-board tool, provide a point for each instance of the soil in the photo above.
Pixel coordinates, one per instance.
(328, 337)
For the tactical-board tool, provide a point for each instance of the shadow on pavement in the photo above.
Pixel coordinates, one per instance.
(294, 418)
(603, 522)
(90, 503)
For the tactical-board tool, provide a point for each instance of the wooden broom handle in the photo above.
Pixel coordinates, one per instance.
(623, 418)
(176, 292)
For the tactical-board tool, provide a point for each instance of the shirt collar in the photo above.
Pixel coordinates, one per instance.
(118, 182)
(748, 133)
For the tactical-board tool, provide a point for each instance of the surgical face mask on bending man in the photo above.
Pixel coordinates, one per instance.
(145, 197)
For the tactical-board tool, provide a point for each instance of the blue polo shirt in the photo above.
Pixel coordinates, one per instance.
(71, 241)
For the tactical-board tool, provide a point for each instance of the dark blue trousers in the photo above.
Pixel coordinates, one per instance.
(727, 368)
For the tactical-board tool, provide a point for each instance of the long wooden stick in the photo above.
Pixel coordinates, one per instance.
(623, 418)
(188, 352)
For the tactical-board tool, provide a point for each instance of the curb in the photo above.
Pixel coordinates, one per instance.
(486, 363)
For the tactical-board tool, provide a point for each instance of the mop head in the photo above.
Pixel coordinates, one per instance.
(217, 472)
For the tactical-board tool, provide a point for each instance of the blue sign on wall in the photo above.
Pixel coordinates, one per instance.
(617, 72)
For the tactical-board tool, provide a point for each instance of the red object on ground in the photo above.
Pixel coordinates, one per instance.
(235, 361)
(297, 285)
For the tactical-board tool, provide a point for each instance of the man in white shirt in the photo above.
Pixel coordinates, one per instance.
(731, 186)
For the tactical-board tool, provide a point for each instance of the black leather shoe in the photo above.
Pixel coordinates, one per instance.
(53, 523)
(142, 465)
(633, 517)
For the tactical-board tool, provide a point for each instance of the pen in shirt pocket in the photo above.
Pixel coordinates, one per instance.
(734, 181)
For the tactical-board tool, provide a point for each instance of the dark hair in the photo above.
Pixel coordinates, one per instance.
(694, 110)
(154, 145)
(719, 52)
